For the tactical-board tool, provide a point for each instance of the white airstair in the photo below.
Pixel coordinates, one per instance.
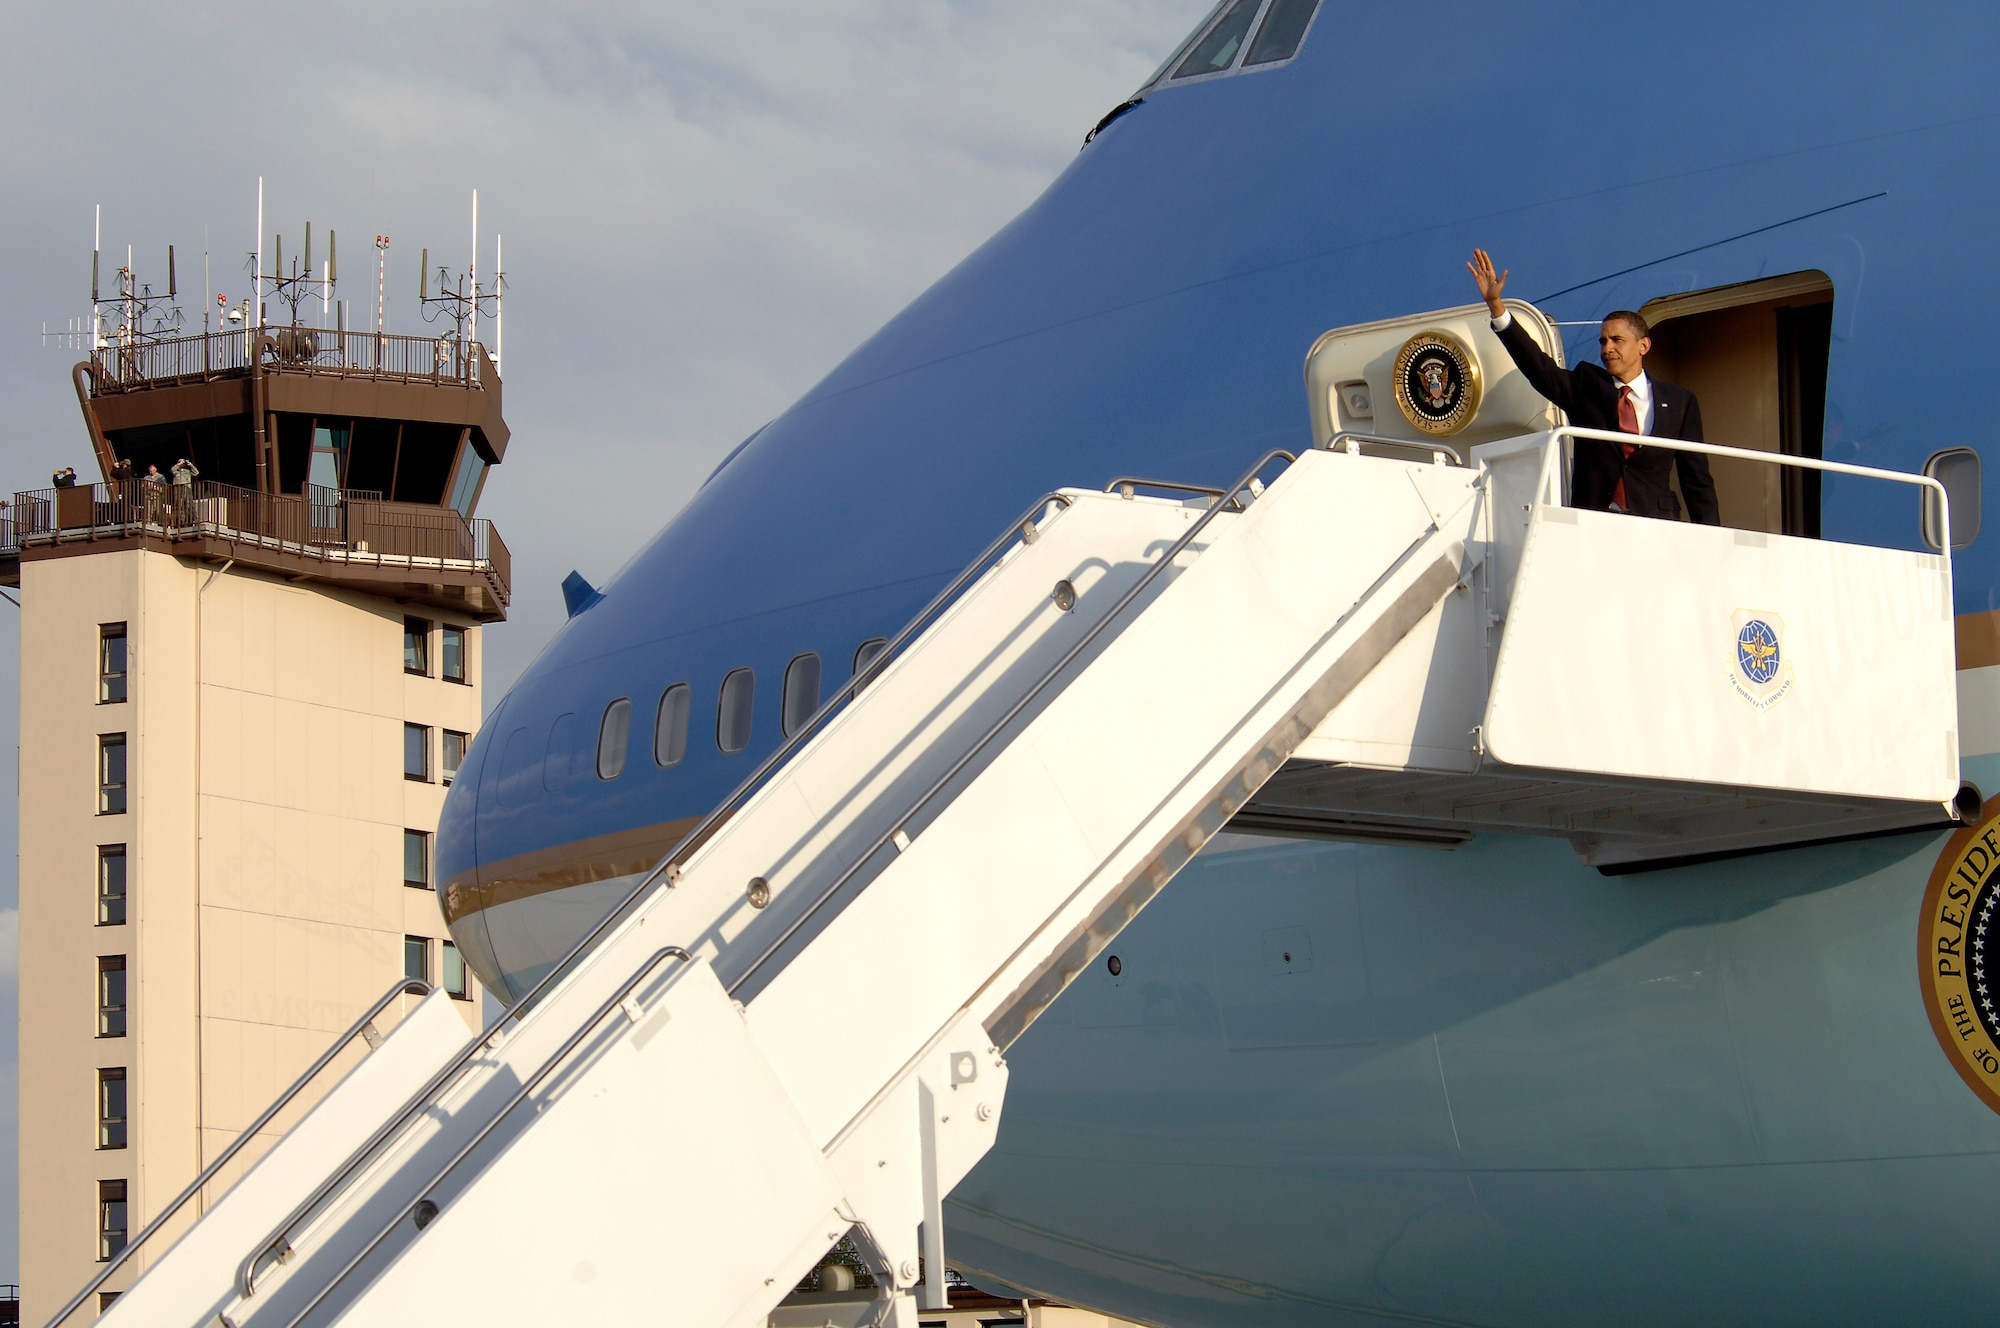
(794, 1031)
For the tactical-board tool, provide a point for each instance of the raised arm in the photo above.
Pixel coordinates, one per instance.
(1549, 378)
(1492, 285)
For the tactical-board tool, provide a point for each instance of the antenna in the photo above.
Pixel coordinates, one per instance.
(423, 276)
(332, 258)
(499, 303)
(172, 288)
(257, 287)
(309, 249)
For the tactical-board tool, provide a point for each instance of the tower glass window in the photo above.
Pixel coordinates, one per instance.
(111, 885)
(670, 725)
(613, 732)
(732, 717)
(454, 653)
(417, 859)
(417, 646)
(456, 984)
(801, 693)
(111, 658)
(454, 746)
(417, 958)
(111, 1108)
(111, 996)
(110, 774)
(111, 1226)
(417, 752)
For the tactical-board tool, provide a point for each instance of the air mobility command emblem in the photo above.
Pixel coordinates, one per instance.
(1760, 673)
(1958, 953)
(1437, 382)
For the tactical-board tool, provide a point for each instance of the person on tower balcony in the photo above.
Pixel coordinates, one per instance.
(1620, 398)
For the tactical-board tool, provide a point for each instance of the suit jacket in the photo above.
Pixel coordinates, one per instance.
(1588, 395)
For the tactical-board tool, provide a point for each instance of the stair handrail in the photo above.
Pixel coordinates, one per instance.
(534, 1081)
(1165, 561)
(1551, 446)
(408, 986)
(1353, 443)
(278, 1240)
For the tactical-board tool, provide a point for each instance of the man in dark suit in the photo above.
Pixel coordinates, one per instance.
(1619, 397)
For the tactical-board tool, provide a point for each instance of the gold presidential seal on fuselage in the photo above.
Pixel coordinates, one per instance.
(1437, 382)
(1960, 975)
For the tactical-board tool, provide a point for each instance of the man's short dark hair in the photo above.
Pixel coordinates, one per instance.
(1631, 320)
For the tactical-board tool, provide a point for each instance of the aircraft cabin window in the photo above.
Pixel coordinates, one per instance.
(1225, 34)
(670, 725)
(801, 692)
(732, 711)
(867, 653)
(612, 732)
(1957, 469)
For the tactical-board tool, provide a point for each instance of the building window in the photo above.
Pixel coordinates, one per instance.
(732, 712)
(801, 698)
(417, 859)
(454, 653)
(111, 885)
(417, 646)
(455, 744)
(612, 732)
(106, 1299)
(417, 958)
(670, 725)
(111, 1108)
(110, 663)
(110, 774)
(456, 984)
(417, 752)
(111, 996)
(110, 1219)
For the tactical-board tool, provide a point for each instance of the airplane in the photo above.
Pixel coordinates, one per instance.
(1506, 1084)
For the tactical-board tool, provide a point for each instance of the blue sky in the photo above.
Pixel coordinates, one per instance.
(704, 207)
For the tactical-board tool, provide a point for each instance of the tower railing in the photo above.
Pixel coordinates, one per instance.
(335, 526)
(447, 360)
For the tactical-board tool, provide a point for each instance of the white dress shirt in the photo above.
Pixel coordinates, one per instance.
(1642, 389)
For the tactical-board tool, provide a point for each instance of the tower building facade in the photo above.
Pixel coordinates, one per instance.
(250, 663)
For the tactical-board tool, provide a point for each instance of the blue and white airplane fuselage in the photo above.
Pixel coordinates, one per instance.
(1508, 1088)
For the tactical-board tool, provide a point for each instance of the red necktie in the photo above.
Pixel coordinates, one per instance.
(1628, 422)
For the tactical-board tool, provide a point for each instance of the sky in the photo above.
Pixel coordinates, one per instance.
(704, 207)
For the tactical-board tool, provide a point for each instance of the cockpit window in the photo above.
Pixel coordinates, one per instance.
(1271, 30)
(1218, 50)
(1284, 28)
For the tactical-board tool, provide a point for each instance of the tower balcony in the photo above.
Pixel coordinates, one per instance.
(351, 539)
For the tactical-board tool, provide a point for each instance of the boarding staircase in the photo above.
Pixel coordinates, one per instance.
(794, 1030)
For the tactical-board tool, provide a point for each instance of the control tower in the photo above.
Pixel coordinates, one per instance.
(245, 686)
